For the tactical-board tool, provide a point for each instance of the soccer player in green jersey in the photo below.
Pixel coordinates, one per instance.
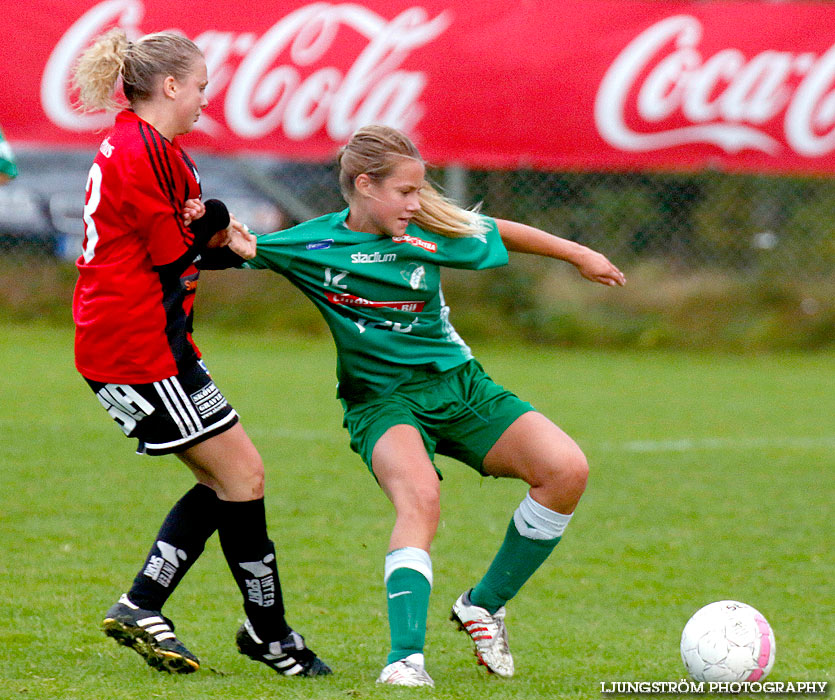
(8, 167)
(411, 388)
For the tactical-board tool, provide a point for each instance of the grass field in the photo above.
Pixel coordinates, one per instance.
(713, 477)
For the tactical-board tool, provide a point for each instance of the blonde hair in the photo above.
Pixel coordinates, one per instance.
(375, 150)
(137, 63)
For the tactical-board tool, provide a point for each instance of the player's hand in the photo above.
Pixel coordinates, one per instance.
(193, 209)
(241, 240)
(597, 268)
(220, 239)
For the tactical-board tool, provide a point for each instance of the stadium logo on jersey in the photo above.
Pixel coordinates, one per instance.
(375, 257)
(417, 242)
(351, 300)
(320, 245)
(415, 275)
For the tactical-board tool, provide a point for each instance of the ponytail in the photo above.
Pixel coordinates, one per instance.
(138, 63)
(441, 215)
(98, 69)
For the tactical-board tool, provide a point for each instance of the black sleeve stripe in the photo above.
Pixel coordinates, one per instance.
(163, 178)
(193, 168)
(168, 173)
(151, 158)
(152, 147)
(165, 159)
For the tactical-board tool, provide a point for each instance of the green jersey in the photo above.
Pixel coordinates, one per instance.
(7, 161)
(380, 296)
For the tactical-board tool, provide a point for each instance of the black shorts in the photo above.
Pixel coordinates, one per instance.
(170, 415)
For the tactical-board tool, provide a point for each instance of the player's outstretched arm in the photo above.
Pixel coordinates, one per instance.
(521, 238)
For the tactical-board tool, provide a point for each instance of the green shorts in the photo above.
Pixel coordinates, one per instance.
(460, 413)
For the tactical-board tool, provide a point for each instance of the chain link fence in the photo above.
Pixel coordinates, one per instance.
(704, 251)
(745, 224)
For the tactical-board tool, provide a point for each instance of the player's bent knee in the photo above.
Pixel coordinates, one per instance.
(576, 471)
(566, 477)
(246, 479)
(428, 503)
(255, 479)
(257, 486)
(421, 504)
(432, 508)
(578, 476)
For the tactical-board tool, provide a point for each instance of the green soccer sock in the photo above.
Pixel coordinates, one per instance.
(407, 591)
(533, 533)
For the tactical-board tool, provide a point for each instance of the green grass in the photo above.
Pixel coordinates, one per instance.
(712, 477)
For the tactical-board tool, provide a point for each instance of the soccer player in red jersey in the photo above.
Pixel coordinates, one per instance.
(147, 235)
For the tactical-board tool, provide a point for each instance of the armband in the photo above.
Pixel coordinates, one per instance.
(218, 259)
(215, 219)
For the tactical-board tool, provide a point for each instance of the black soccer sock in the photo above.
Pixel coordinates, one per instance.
(180, 541)
(251, 557)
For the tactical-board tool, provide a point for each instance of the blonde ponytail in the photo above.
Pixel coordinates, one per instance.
(98, 70)
(441, 215)
(138, 63)
(375, 151)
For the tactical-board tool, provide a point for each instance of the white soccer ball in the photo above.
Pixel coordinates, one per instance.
(728, 641)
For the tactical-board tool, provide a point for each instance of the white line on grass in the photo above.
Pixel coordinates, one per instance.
(637, 446)
(729, 443)
(673, 445)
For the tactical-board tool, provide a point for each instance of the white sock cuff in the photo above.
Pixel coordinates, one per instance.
(536, 522)
(408, 558)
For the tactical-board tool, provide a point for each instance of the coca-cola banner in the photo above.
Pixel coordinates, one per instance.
(568, 84)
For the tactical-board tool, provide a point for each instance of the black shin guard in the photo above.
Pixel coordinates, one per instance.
(179, 543)
(251, 558)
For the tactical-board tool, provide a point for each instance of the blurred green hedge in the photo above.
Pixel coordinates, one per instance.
(531, 300)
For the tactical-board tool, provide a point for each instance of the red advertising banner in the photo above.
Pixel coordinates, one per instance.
(574, 84)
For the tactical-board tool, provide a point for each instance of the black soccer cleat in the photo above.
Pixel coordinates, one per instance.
(151, 635)
(289, 656)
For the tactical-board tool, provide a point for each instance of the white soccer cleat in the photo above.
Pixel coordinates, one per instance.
(488, 633)
(407, 672)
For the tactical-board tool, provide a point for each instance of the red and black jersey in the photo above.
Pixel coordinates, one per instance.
(137, 277)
